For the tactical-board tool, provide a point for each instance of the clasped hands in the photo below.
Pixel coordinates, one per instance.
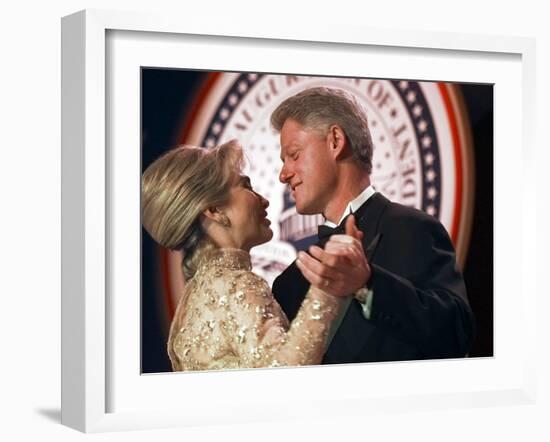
(341, 268)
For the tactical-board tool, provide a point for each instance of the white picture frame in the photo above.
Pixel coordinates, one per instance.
(90, 170)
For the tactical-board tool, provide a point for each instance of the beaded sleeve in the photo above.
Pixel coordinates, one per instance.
(259, 330)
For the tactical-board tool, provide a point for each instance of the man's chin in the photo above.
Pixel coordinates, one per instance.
(306, 209)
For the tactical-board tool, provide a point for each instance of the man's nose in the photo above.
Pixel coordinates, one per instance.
(284, 175)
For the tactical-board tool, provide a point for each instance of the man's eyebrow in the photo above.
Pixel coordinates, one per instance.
(287, 149)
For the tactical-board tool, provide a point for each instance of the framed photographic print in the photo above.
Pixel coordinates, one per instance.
(446, 117)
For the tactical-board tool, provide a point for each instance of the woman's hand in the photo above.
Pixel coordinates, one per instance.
(342, 267)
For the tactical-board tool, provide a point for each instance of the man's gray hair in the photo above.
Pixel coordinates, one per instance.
(320, 107)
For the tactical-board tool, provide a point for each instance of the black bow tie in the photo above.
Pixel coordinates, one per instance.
(324, 232)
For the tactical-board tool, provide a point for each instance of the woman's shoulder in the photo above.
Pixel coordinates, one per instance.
(246, 279)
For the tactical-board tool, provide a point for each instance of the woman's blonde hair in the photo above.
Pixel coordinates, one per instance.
(178, 187)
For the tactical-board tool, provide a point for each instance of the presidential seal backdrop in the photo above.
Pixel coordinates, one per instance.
(422, 151)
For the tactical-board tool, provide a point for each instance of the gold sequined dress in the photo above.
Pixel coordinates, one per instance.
(228, 318)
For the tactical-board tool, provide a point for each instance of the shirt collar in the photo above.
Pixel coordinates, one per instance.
(353, 205)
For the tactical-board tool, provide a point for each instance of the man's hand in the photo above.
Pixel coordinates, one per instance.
(341, 268)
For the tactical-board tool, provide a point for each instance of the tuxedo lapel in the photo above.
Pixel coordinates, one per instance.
(371, 248)
(346, 344)
(367, 219)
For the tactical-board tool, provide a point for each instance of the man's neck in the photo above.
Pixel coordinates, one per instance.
(348, 188)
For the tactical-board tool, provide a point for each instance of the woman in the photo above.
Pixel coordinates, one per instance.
(196, 200)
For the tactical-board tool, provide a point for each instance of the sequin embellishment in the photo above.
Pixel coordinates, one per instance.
(231, 320)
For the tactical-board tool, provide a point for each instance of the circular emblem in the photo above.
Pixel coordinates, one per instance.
(422, 150)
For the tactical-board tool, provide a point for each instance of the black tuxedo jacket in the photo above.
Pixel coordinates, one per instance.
(419, 310)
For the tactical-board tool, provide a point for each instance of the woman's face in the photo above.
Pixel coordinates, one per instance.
(246, 211)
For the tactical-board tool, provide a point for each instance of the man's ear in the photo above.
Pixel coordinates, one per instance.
(215, 215)
(336, 140)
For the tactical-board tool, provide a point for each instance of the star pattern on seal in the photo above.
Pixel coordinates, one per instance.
(430, 175)
(432, 192)
(421, 120)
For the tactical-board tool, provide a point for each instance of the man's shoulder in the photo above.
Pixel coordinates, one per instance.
(409, 222)
(396, 212)
(398, 219)
(400, 211)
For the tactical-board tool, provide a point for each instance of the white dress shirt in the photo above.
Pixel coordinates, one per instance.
(352, 207)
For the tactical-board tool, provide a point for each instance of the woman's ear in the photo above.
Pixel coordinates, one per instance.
(215, 215)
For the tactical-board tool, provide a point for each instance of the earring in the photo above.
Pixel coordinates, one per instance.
(224, 220)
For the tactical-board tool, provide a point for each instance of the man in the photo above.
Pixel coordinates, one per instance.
(409, 299)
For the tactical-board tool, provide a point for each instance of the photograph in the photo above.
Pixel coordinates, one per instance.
(295, 220)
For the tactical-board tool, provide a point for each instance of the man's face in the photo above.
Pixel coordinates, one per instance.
(308, 167)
